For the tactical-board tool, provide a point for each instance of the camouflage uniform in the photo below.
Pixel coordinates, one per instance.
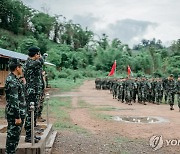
(171, 85)
(103, 84)
(153, 93)
(98, 83)
(158, 92)
(128, 91)
(33, 72)
(41, 99)
(120, 90)
(143, 91)
(165, 89)
(139, 91)
(135, 90)
(114, 89)
(15, 109)
(149, 91)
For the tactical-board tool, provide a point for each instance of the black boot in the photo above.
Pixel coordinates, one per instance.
(171, 107)
(28, 140)
(37, 137)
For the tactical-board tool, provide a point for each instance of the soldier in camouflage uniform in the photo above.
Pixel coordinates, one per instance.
(33, 70)
(149, 91)
(178, 91)
(15, 106)
(98, 83)
(143, 90)
(139, 90)
(135, 89)
(114, 88)
(171, 85)
(153, 93)
(165, 89)
(120, 90)
(158, 91)
(128, 90)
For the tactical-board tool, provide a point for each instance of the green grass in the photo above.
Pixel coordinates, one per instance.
(66, 84)
(59, 109)
(83, 104)
(101, 116)
(122, 139)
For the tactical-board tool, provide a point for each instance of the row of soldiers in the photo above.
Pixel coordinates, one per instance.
(23, 86)
(142, 89)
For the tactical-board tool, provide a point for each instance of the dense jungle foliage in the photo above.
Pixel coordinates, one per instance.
(75, 51)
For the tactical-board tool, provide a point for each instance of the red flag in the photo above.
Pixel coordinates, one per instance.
(112, 69)
(129, 70)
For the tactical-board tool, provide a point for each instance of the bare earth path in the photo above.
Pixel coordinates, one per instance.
(109, 136)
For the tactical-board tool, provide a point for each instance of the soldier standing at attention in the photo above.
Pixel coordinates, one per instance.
(14, 96)
(178, 91)
(33, 76)
(171, 85)
(165, 88)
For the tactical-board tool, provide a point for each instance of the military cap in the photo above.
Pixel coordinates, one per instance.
(33, 51)
(14, 62)
(171, 75)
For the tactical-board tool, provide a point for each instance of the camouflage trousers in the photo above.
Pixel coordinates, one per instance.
(13, 136)
(128, 96)
(178, 99)
(114, 93)
(159, 97)
(31, 98)
(165, 95)
(135, 93)
(40, 105)
(171, 98)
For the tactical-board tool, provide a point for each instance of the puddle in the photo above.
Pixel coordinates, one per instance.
(139, 119)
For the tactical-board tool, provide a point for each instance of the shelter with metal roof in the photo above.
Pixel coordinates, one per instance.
(4, 58)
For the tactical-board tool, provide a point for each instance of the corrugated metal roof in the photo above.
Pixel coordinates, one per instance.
(13, 54)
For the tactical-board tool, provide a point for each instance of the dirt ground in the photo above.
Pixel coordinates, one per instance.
(90, 107)
(110, 136)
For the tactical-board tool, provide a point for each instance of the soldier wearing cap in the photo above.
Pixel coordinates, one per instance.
(33, 76)
(14, 98)
(171, 89)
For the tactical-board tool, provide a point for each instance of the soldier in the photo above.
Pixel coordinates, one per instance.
(158, 91)
(128, 88)
(98, 83)
(135, 90)
(165, 88)
(153, 84)
(14, 98)
(33, 70)
(178, 91)
(114, 88)
(120, 90)
(143, 90)
(149, 91)
(171, 85)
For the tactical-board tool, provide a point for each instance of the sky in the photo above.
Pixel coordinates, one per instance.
(128, 20)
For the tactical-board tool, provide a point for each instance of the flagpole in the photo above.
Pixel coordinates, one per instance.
(115, 68)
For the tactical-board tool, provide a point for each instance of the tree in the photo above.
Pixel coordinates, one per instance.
(43, 23)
